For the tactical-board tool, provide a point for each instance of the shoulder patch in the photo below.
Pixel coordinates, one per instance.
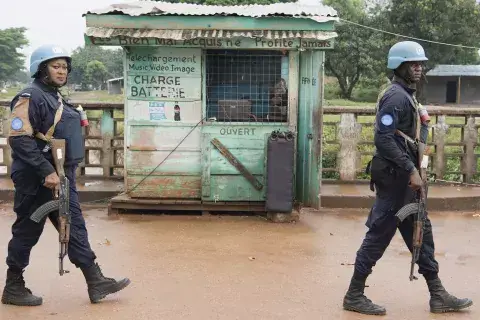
(19, 119)
(386, 120)
(17, 123)
(25, 95)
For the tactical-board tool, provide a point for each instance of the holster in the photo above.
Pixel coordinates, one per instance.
(368, 170)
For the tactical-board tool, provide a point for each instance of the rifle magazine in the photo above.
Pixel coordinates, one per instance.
(44, 210)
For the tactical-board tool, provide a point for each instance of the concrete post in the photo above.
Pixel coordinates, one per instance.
(348, 136)
(107, 128)
(470, 136)
(439, 138)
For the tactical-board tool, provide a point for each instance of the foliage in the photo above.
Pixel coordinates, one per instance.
(11, 61)
(447, 21)
(360, 53)
(357, 52)
(96, 73)
(111, 60)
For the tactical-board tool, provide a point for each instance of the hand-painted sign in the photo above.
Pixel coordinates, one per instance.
(234, 131)
(164, 74)
(241, 43)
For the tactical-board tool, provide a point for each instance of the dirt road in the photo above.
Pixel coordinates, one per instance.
(187, 267)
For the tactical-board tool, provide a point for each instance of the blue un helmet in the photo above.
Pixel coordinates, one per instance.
(45, 53)
(405, 51)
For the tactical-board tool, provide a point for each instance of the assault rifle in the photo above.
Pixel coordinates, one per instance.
(417, 208)
(60, 202)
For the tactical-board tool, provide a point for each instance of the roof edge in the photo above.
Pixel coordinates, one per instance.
(153, 8)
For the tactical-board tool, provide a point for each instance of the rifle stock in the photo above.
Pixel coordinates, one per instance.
(60, 203)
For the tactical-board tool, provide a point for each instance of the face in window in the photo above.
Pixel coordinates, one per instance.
(58, 71)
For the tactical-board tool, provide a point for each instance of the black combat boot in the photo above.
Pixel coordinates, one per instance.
(16, 293)
(441, 301)
(356, 301)
(99, 286)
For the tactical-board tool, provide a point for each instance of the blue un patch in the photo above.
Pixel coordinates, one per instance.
(386, 120)
(17, 124)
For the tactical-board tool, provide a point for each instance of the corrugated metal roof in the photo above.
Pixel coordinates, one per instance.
(193, 34)
(305, 8)
(445, 70)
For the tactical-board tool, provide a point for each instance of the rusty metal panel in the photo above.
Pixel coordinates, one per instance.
(179, 163)
(165, 138)
(151, 8)
(165, 187)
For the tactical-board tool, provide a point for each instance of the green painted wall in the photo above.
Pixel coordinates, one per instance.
(309, 123)
(221, 181)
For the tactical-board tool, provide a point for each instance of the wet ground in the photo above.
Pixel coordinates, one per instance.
(188, 267)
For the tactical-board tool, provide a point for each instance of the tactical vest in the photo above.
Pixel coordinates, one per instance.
(421, 131)
(66, 126)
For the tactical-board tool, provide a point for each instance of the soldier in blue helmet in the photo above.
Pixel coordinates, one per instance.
(33, 111)
(395, 178)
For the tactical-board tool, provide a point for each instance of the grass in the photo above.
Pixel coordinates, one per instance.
(348, 103)
(11, 92)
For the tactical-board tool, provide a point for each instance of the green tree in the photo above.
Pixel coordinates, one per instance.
(357, 50)
(447, 21)
(112, 61)
(96, 73)
(11, 61)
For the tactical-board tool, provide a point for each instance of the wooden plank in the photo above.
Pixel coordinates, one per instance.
(158, 137)
(171, 187)
(234, 188)
(177, 163)
(206, 165)
(206, 23)
(293, 79)
(253, 160)
(237, 164)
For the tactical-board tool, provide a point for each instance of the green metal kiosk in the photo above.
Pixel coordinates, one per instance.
(206, 89)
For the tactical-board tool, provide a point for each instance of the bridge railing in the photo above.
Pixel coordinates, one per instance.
(347, 142)
(103, 140)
